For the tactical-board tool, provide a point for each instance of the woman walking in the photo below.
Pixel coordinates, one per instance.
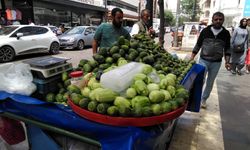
(239, 44)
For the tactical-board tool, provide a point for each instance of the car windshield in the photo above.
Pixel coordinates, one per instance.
(7, 30)
(75, 30)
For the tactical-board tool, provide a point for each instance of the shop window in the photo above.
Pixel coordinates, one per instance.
(75, 19)
(55, 17)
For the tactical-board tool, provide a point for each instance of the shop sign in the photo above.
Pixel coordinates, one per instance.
(246, 11)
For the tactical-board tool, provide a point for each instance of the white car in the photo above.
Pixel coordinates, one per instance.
(26, 39)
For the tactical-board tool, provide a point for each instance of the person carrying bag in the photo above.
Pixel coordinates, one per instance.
(239, 48)
(239, 44)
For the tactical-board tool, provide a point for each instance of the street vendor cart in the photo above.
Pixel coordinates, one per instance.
(61, 119)
(130, 97)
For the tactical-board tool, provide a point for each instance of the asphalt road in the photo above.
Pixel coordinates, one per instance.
(76, 55)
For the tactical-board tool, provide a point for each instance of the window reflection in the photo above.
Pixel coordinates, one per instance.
(56, 17)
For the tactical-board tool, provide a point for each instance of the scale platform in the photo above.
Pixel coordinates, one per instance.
(47, 67)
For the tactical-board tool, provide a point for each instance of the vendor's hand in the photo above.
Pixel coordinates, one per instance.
(151, 30)
(228, 66)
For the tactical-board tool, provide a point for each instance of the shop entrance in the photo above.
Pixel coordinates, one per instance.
(26, 8)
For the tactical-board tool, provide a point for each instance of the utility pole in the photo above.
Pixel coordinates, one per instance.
(106, 11)
(177, 24)
(139, 10)
(194, 11)
(149, 6)
(2, 12)
(162, 31)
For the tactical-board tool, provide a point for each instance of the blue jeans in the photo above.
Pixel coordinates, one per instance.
(212, 69)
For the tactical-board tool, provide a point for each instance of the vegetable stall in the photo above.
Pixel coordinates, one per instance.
(129, 97)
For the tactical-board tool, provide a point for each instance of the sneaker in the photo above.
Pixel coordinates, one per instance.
(233, 71)
(247, 72)
(203, 104)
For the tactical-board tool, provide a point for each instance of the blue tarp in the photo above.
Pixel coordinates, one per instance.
(110, 137)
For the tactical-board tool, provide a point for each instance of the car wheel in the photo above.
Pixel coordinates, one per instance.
(7, 54)
(80, 45)
(54, 48)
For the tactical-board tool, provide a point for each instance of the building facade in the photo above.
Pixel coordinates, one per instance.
(129, 8)
(233, 10)
(43, 12)
(171, 6)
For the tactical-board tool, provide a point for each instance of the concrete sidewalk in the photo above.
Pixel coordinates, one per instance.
(200, 131)
(226, 121)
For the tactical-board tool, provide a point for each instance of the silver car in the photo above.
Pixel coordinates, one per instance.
(77, 37)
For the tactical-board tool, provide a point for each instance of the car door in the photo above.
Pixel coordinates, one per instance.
(43, 38)
(26, 43)
(88, 35)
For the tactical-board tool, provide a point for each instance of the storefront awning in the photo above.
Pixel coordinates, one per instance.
(126, 17)
(132, 19)
(77, 4)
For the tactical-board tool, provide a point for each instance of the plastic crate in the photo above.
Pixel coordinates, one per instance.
(45, 86)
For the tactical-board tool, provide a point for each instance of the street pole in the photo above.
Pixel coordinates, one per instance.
(162, 31)
(149, 6)
(106, 12)
(177, 24)
(194, 10)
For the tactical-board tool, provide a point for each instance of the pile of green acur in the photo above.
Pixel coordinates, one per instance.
(143, 97)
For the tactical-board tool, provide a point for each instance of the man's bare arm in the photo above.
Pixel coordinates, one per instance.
(94, 46)
(192, 56)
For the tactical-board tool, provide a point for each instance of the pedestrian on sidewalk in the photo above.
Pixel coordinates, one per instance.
(214, 43)
(142, 26)
(239, 46)
(247, 61)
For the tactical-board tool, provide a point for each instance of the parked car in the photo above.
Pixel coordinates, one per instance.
(77, 37)
(26, 39)
(54, 29)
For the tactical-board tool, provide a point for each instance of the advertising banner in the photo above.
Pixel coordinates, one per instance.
(246, 11)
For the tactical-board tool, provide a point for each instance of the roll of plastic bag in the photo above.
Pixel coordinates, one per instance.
(121, 77)
(16, 78)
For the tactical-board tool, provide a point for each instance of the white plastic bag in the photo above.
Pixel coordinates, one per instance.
(16, 78)
(121, 77)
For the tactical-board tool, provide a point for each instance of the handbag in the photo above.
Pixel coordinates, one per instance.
(238, 48)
